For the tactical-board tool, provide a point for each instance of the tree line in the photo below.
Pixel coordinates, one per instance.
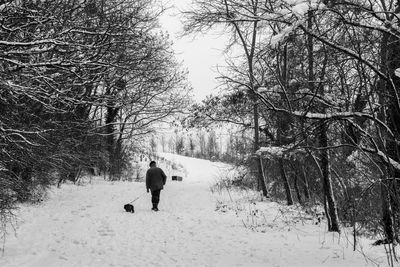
(318, 85)
(81, 84)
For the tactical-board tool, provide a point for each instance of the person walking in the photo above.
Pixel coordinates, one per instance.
(155, 181)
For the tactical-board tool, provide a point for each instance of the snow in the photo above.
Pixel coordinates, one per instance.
(397, 72)
(285, 32)
(275, 39)
(300, 9)
(389, 160)
(262, 90)
(273, 150)
(87, 226)
(278, 151)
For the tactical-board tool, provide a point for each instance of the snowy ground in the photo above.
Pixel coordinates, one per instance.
(87, 226)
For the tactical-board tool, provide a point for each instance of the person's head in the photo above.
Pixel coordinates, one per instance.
(153, 163)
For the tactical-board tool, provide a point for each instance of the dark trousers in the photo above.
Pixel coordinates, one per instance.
(155, 196)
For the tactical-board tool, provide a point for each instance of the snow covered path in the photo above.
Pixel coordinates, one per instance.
(87, 226)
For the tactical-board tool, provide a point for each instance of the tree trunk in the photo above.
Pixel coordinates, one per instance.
(110, 140)
(310, 56)
(393, 113)
(259, 170)
(306, 187)
(330, 203)
(285, 181)
(387, 97)
(296, 188)
(284, 127)
(387, 220)
(327, 214)
(327, 180)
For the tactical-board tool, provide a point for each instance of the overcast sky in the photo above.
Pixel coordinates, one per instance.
(200, 54)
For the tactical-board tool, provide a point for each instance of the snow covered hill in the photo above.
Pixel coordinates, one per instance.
(87, 226)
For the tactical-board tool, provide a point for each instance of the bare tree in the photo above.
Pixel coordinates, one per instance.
(80, 81)
(229, 13)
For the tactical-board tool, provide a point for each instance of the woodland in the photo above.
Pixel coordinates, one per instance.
(312, 95)
(81, 84)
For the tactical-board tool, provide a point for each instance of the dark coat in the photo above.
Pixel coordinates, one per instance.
(155, 178)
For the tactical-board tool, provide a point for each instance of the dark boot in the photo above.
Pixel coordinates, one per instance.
(155, 208)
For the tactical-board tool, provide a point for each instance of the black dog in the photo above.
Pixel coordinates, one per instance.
(129, 208)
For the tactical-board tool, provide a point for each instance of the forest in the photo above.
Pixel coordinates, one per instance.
(81, 85)
(311, 99)
(314, 97)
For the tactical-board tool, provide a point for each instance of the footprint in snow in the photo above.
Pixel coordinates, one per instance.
(106, 232)
(62, 258)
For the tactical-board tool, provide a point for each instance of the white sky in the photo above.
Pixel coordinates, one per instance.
(200, 54)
